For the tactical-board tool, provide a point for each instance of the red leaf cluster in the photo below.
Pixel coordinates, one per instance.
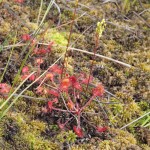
(86, 79)
(56, 69)
(50, 104)
(75, 83)
(25, 69)
(4, 88)
(25, 73)
(50, 76)
(25, 37)
(99, 90)
(102, 129)
(78, 131)
(39, 61)
(65, 84)
(53, 92)
(70, 105)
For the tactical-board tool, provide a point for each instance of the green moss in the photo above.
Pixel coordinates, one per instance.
(29, 133)
(5, 28)
(122, 140)
(144, 105)
(83, 147)
(57, 38)
(38, 143)
(145, 147)
(67, 136)
(121, 114)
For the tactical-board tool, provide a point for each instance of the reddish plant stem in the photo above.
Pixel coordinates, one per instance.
(68, 121)
(71, 27)
(95, 49)
(62, 110)
(78, 121)
(87, 103)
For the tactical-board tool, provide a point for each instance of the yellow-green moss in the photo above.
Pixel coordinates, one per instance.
(30, 133)
(122, 140)
(66, 136)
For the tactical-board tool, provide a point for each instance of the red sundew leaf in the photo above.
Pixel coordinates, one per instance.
(25, 69)
(56, 69)
(87, 80)
(50, 44)
(53, 92)
(74, 82)
(45, 91)
(32, 77)
(73, 79)
(35, 50)
(42, 51)
(65, 84)
(39, 61)
(99, 90)
(61, 125)
(33, 42)
(55, 100)
(4, 88)
(63, 88)
(25, 37)
(102, 129)
(70, 105)
(44, 110)
(19, 1)
(77, 86)
(50, 104)
(50, 76)
(49, 47)
(24, 76)
(78, 131)
(39, 90)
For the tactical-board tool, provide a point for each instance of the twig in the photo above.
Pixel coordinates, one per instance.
(144, 11)
(58, 12)
(102, 109)
(122, 27)
(142, 19)
(28, 97)
(39, 12)
(98, 55)
(141, 4)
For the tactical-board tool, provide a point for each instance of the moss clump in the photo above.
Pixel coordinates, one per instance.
(57, 38)
(122, 140)
(10, 135)
(69, 65)
(5, 28)
(83, 147)
(145, 147)
(38, 143)
(31, 133)
(25, 134)
(122, 114)
(67, 136)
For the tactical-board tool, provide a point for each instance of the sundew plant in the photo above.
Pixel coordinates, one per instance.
(71, 76)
